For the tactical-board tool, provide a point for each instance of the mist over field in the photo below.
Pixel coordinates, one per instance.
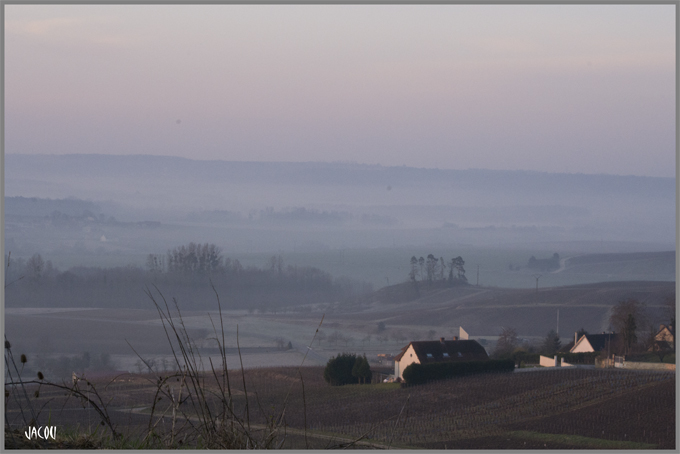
(298, 241)
(265, 207)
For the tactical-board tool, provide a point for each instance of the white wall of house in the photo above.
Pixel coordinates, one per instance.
(583, 346)
(546, 361)
(409, 358)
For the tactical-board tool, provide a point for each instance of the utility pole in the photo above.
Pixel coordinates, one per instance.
(477, 275)
(558, 323)
(537, 276)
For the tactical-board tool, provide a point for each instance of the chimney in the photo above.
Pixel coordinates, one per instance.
(455, 338)
(441, 339)
(575, 337)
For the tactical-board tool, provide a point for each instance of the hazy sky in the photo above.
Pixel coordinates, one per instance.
(577, 88)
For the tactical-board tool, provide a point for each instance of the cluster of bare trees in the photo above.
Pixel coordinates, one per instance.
(633, 329)
(33, 269)
(186, 272)
(632, 320)
(435, 269)
(191, 258)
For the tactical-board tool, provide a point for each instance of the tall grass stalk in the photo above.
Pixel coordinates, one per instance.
(219, 428)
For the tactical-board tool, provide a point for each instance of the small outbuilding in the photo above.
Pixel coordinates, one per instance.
(423, 352)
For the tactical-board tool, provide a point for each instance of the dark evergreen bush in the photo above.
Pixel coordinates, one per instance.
(362, 370)
(338, 370)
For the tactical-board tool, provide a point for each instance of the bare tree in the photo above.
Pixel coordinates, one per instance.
(414, 269)
(34, 267)
(507, 342)
(431, 267)
(155, 263)
(279, 343)
(457, 266)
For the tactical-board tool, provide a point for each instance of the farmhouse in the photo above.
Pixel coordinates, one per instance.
(595, 342)
(422, 352)
(664, 340)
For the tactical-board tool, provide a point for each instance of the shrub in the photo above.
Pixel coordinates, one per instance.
(346, 369)
(362, 370)
(421, 373)
(338, 370)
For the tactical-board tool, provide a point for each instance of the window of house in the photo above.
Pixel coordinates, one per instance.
(460, 355)
(429, 355)
(446, 355)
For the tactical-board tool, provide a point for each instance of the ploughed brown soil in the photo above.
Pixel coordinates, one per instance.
(475, 412)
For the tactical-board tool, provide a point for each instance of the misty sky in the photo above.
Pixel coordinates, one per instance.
(558, 88)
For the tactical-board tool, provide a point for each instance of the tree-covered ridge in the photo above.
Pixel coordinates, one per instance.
(185, 272)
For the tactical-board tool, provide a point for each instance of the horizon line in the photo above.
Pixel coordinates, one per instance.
(336, 162)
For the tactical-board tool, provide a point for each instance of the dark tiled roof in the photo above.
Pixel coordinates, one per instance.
(458, 350)
(401, 353)
(599, 341)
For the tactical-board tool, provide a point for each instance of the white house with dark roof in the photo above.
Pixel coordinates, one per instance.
(423, 352)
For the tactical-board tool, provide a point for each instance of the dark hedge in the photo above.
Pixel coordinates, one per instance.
(421, 373)
(579, 358)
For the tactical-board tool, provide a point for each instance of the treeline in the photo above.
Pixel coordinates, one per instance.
(185, 273)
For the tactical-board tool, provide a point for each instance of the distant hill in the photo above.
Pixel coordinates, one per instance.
(146, 168)
(33, 206)
(484, 311)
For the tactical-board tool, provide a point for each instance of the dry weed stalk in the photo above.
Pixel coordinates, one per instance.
(219, 428)
(88, 396)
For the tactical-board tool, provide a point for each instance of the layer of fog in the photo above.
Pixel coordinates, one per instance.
(318, 213)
